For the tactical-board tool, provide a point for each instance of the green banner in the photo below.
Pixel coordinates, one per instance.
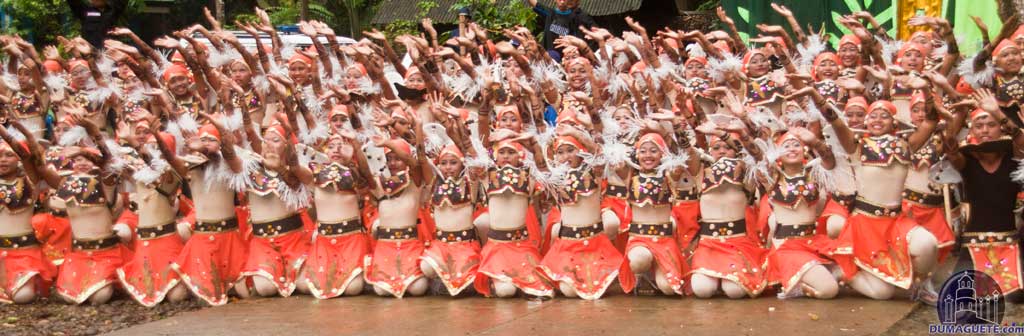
(749, 13)
(966, 32)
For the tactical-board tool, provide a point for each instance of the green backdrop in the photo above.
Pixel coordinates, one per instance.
(748, 13)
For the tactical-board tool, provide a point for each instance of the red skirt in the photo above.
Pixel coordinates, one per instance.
(456, 263)
(334, 262)
(394, 265)
(19, 266)
(997, 257)
(622, 211)
(686, 215)
(787, 263)
(932, 219)
(55, 235)
(278, 258)
(737, 259)
(588, 265)
(832, 208)
(878, 245)
(211, 263)
(85, 272)
(148, 276)
(517, 262)
(666, 253)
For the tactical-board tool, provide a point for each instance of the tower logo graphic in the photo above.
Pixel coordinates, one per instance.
(971, 297)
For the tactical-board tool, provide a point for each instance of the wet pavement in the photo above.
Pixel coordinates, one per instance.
(614, 315)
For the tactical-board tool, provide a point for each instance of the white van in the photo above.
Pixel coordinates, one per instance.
(287, 36)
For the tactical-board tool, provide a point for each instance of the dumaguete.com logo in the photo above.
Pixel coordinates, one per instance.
(972, 302)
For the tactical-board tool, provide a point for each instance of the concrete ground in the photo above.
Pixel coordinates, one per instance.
(614, 315)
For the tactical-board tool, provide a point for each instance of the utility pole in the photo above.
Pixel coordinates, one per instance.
(304, 10)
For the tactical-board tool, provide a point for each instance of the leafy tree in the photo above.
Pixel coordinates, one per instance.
(286, 12)
(41, 21)
(496, 18)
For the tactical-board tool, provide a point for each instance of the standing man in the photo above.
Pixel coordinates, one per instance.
(564, 19)
(97, 17)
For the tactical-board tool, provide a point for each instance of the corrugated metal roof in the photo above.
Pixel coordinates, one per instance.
(394, 10)
(604, 7)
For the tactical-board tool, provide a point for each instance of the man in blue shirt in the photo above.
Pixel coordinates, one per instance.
(564, 19)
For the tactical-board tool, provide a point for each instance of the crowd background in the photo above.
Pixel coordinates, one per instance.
(42, 20)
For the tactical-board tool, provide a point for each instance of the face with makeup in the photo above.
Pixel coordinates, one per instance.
(649, 156)
(849, 54)
(758, 65)
(568, 154)
(339, 151)
(879, 121)
(450, 165)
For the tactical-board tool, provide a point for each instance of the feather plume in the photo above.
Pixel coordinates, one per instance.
(889, 49)
(73, 136)
(55, 83)
(673, 161)
(11, 81)
(719, 67)
(220, 58)
(435, 138)
(695, 50)
(977, 78)
(808, 52)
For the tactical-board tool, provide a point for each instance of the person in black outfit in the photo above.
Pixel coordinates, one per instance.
(564, 19)
(986, 162)
(97, 17)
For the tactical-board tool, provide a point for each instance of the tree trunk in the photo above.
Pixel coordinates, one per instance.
(218, 11)
(1008, 8)
(304, 10)
(353, 19)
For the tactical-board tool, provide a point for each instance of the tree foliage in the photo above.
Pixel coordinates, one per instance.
(41, 21)
(496, 18)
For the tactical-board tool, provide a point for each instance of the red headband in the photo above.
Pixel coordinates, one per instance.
(77, 63)
(571, 141)
(786, 137)
(578, 60)
(52, 66)
(1003, 45)
(209, 131)
(701, 60)
(749, 56)
(411, 71)
(167, 139)
(451, 149)
(507, 109)
(175, 70)
(821, 58)
(338, 109)
(856, 101)
(402, 145)
(509, 143)
(885, 105)
(924, 50)
(359, 67)
(654, 138)
(978, 113)
(300, 57)
(850, 39)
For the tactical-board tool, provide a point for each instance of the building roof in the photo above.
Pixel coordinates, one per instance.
(394, 10)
